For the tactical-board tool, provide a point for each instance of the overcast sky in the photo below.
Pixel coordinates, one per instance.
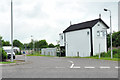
(45, 19)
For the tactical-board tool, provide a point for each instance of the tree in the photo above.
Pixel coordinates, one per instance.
(115, 39)
(3, 55)
(108, 41)
(0, 41)
(6, 43)
(51, 45)
(43, 44)
(17, 43)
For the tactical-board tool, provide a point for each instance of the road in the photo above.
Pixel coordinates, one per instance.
(55, 67)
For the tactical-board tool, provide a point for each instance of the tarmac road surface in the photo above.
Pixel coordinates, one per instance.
(60, 67)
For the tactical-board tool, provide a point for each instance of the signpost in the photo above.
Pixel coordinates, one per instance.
(99, 51)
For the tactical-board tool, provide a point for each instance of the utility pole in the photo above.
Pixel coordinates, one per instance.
(110, 31)
(11, 31)
(33, 41)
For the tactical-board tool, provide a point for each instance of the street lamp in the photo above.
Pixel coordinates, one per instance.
(33, 42)
(110, 30)
(11, 31)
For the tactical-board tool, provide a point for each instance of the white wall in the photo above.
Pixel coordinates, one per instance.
(78, 41)
(99, 39)
(61, 38)
(49, 51)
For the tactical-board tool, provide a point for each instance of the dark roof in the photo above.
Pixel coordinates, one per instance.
(84, 25)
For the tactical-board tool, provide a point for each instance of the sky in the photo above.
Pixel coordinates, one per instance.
(45, 19)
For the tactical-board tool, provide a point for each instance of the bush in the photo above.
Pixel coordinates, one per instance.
(4, 54)
(18, 53)
(116, 54)
(103, 54)
(115, 51)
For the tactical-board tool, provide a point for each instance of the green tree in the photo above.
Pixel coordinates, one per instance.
(17, 43)
(6, 43)
(51, 45)
(43, 44)
(108, 40)
(0, 41)
(115, 39)
(3, 55)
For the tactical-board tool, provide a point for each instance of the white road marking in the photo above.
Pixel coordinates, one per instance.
(104, 67)
(72, 66)
(26, 67)
(76, 67)
(117, 67)
(89, 67)
(59, 67)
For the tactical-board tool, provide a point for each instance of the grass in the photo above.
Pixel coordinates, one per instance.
(8, 62)
(105, 58)
(38, 54)
(102, 58)
(93, 57)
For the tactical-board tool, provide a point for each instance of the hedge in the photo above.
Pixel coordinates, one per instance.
(3, 55)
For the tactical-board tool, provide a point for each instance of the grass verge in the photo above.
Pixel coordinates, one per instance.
(102, 58)
(8, 62)
(39, 55)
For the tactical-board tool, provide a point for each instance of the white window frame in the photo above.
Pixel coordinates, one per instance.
(98, 33)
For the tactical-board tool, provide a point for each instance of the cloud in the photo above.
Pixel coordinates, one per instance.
(45, 19)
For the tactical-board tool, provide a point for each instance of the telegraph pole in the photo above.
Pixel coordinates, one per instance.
(11, 31)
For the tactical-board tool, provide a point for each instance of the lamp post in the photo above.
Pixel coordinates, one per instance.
(110, 31)
(33, 42)
(11, 31)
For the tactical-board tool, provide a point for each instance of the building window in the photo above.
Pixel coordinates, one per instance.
(88, 33)
(104, 33)
(98, 33)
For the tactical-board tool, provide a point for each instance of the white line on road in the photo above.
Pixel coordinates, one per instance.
(59, 67)
(72, 66)
(104, 67)
(117, 67)
(89, 67)
(76, 67)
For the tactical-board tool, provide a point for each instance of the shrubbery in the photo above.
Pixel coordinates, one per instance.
(116, 54)
(3, 55)
(18, 53)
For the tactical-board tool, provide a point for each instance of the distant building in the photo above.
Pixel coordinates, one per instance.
(49, 51)
(85, 39)
(9, 48)
(16, 49)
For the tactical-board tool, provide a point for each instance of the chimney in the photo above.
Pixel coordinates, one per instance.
(70, 23)
(100, 16)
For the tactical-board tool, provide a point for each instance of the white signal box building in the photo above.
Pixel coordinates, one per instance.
(85, 39)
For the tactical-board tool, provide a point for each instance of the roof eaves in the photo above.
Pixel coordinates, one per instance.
(77, 29)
